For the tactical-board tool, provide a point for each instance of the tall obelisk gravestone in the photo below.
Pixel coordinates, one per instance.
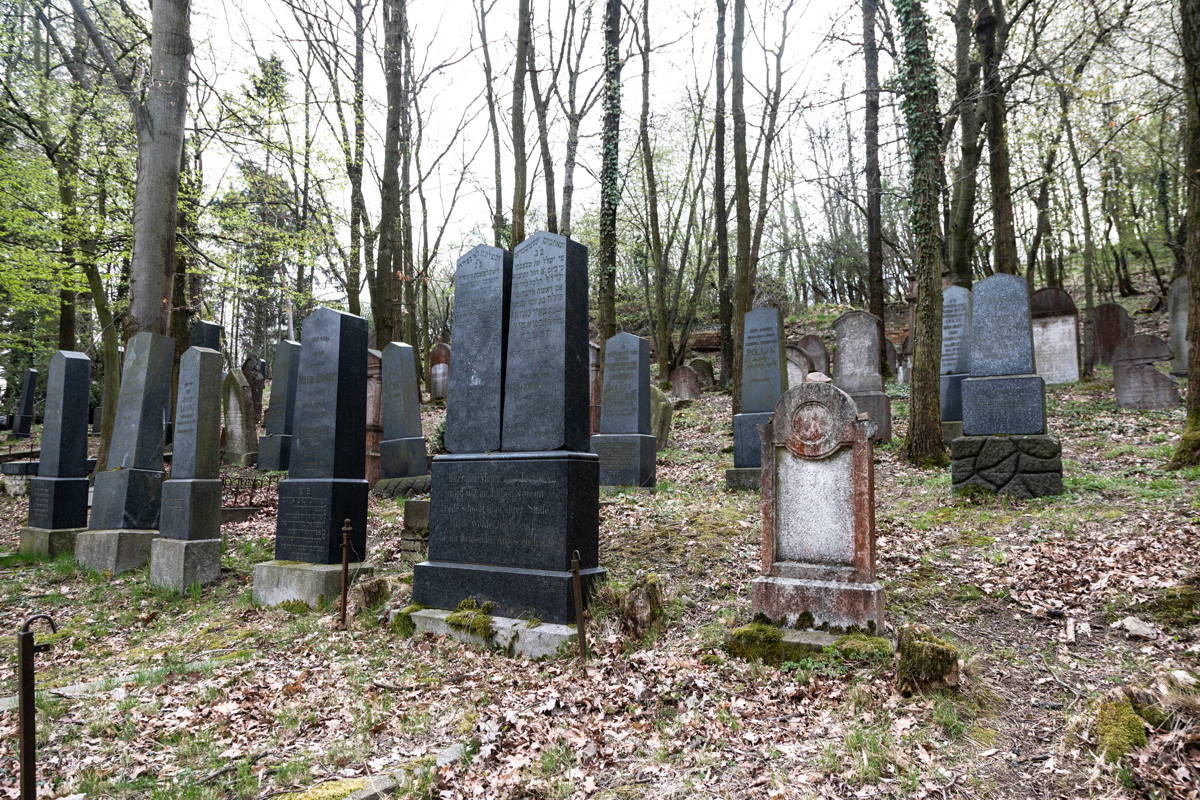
(326, 481)
(503, 525)
(402, 452)
(126, 498)
(23, 419)
(956, 338)
(274, 449)
(188, 551)
(764, 380)
(625, 445)
(58, 495)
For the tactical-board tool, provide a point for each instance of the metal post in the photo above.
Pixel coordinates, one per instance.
(577, 590)
(26, 709)
(346, 531)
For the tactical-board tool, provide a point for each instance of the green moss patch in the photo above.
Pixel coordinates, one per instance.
(1176, 607)
(860, 647)
(473, 617)
(402, 623)
(333, 790)
(926, 662)
(1119, 729)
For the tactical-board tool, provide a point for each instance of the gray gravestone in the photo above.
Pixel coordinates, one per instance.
(813, 346)
(23, 419)
(798, 366)
(1137, 382)
(1178, 311)
(858, 369)
(240, 439)
(402, 452)
(685, 383)
(764, 380)
(274, 449)
(956, 337)
(205, 334)
(1113, 326)
(439, 367)
(474, 405)
(704, 371)
(1055, 335)
(625, 445)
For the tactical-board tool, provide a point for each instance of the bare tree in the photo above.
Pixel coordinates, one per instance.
(610, 171)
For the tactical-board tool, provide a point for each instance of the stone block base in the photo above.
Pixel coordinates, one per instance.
(514, 592)
(513, 636)
(878, 408)
(951, 431)
(743, 479)
(48, 542)
(316, 585)
(416, 515)
(274, 452)
(179, 564)
(747, 444)
(16, 485)
(831, 606)
(191, 509)
(114, 551)
(626, 459)
(1004, 404)
(58, 503)
(1021, 466)
(403, 458)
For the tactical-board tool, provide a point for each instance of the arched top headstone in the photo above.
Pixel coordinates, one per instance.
(814, 420)
(685, 383)
(857, 366)
(956, 330)
(1001, 329)
(439, 354)
(1051, 302)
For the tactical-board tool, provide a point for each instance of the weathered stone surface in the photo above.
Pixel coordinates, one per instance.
(798, 366)
(1056, 348)
(956, 350)
(743, 479)
(114, 551)
(685, 383)
(625, 407)
(58, 495)
(57, 502)
(1113, 325)
(704, 371)
(813, 346)
(856, 361)
(1138, 383)
(416, 515)
(1051, 302)
(240, 435)
(196, 452)
(1178, 309)
(205, 334)
(275, 449)
(316, 585)
(22, 421)
(626, 459)
(47, 543)
(402, 452)
(661, 413)
(764, 369)
(1001, 335)
(512, 636)
(1004, 404)
(178, 564)
(439, 381)
(1021, 466)
(878, 408)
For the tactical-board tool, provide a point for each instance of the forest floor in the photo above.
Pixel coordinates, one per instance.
(215, 697)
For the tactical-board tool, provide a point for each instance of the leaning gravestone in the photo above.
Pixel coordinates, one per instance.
(1113, 326)
(857, 368)
(685, 383)
(798, 366)
(23, 419)
(188, 550)
(402, 452)
(543, 488)
(1055, 335)
(704, 371)
(1178, 311)
(58, 496)
(274, 449)
(1004, 447)
(127, 495)
(956, 338)
(1138, 383)
(439, 367)
(205, 334)
(764, 380)
(818, 511)
(813, 346)
(240, 439)
(625, 444)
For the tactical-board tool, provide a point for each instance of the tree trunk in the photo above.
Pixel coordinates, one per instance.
(743, 290)
(875, 287)
(1089, 244)
(662, 333)
(610, 171)
(724, 301)
(384, 299)
(518, 123)
(498, 238)
(540, 102)
(987, 25)
(960, 243)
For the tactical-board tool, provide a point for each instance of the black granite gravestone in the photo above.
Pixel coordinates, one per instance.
(191, 499)
(206, 334)
(625, 445)
(764, 380)
(275, 448)
(325, 483)
(23, 419)
(956, 337)
(402, 452)
(58, 495)
(474, 405)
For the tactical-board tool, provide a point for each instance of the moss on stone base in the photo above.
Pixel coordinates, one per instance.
(861, 647)
(402, 623)
(332, 790)
(1119, 729)
(926, 662)
(474, 618)
(762, 641)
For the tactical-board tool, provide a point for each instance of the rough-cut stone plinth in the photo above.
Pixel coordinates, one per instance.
(1005, 404)
(316, 585)
(747, 446)
(48, 543)
(179, 564)
(512, 636)
(626, 459)
(1021, 466)
(114, 551)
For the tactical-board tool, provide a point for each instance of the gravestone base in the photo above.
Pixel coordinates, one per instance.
(1004, 404)
(1021, 466)
(743, 479)
(191, 509)
(274, 452)
(241, 459)
(179, 564)
(512, 636)
(48, 542)
(126, 498)
(951, 430)
(403, 458)
(416, 515)
(626, 459)
(830, 606)
(316, 585)
(20, 427)
(878, 408)
(402, 487)
(310, 516)
(114, 551)
(58, 503)
(950, 395)
(514, 591)
(747, 443)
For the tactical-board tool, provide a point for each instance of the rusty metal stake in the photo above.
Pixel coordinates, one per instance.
(27, 711)
(577, 590)
(346, 531)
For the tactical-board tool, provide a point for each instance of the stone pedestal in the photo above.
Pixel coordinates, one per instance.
(829, 604)
(416, 516)
(310, 517)
(1004, 404)
(316, 585)
(46, 542)
(274, 451)
(114, 551)
(878, 408)
(950, 396)
(191, 509)
(747, 446)
(403, 458)
(56, 503)
(743, 478)
(22, 424)
(626, 459)
(178, 564)
(503, 528)
(513, 636)
(126, 498)
(1021, 466)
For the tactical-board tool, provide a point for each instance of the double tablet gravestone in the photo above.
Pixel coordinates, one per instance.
(325, 483)
(1138, 383)
(857, 368)
(402, 452)
(188, 550)
(1004, 447)
(1113, 326)
(503, 525)
(23, 419)
(1055, 335)
(274, 449)
(127, 495)
(764, 380)
(58, 496)
(818, 509)
(1177, 308)
(625, 445)
(956, 339)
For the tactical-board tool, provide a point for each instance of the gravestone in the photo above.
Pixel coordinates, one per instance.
(274, 449)
(205, 334)
(58, 496)
(704, 371)
(23, 419)
(764, 380)
(325, 483)
(1113, 326)
(256, 380)
(474, 407)
(955, 365)
(1055, 335)
(1138, 383)
(818, 510)
(661, 412)
(798, 366)
(439, 361)
(1004, 447)
(402, 452)
(813, 346)
(858, 371)
(625, 444)
(374, 428)
(685, 383)
(188, 550)
(904, 374)
(542, 490)
(240, 439)
(127, 495)
(1178, 310)
(595, 387)
(892, 357)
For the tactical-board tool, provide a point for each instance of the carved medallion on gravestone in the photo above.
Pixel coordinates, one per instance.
(1113, 325)
(1178, 314)
(474, 406)
(764, 370)
(813, 346)
(1136, 379)
(856, 362)
(685, 384)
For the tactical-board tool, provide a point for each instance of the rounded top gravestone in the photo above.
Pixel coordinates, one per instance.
(857, 360)
(1051, 302)
(1001, 330)
(1142, 348)
(956, 330)
(685, 383)
(813, 346)
(819, 420)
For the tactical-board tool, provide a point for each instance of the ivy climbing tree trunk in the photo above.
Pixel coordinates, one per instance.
(610, 171)
(724, 301)
(875, 290)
